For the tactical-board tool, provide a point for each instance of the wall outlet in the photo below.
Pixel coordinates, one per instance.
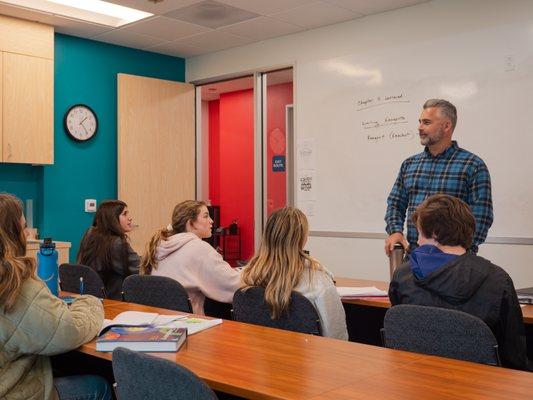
(90, 205)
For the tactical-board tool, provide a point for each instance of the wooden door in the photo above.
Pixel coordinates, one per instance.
(28, 109)
(156, 151)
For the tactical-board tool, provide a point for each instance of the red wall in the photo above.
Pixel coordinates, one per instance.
(231, 157)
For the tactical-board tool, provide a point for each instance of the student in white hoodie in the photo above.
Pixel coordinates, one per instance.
(179, 252)
(281, 266)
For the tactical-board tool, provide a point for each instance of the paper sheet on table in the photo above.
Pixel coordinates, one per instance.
(360, 291)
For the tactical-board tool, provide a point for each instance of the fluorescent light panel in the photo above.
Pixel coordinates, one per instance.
(96, 11)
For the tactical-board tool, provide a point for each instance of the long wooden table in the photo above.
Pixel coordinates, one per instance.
(262, 363)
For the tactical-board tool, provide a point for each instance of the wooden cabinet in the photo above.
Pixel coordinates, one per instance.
(27, 87)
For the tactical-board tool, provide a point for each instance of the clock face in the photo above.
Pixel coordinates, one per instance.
(81, 122)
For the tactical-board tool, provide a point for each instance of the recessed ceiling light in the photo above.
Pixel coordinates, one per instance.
(97, 11)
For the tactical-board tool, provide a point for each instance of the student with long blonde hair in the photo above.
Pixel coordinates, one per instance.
(35, 324)
(179, 252)
(281, 266)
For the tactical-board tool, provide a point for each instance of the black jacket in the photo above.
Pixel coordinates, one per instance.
(124, 262)
(473, 285)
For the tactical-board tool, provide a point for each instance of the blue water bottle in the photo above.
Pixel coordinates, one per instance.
(47, 264)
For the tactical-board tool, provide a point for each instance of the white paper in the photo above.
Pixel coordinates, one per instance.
(130, 318)
(360, 291)
(306, 185)
(306, 154)
(194, 324)
(308, 207)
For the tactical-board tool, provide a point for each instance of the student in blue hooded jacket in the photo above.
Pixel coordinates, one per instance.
(442, 273)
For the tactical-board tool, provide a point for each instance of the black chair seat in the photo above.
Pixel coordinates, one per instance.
(141, 377)
(441, 332)
(249, 306)
(69, 277)
(156, 291)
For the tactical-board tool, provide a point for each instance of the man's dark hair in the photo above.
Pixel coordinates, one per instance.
(446, 219)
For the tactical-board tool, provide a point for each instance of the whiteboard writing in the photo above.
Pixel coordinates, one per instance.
(370, 102)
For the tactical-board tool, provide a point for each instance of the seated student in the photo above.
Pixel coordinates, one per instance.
(441, 273)
(179, 252)
(281, 266)
(35, 324)
(105, 247)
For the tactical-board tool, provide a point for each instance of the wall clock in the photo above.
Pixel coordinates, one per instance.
(80, 122)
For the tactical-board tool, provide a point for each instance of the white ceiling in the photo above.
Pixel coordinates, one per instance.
(180, 28)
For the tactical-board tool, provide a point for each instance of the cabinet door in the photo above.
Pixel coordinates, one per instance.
(28, 109)
(1, 107)
(156, 151)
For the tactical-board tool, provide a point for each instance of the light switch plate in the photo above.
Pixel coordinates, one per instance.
(90, 205)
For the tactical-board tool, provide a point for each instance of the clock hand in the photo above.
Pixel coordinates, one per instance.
(85, 129)
(81, 122)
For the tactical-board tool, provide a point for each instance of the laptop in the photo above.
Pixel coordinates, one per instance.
(525, 295)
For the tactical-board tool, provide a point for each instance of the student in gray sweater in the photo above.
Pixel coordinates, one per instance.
(281, 266)
(105, 247)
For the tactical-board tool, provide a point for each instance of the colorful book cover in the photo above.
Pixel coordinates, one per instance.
(142, 338)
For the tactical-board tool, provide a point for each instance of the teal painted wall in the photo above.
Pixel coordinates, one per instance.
(86, 72)
(25, 182)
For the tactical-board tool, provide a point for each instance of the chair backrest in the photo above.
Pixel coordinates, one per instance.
(69, 277)
(440, 331)
(140, 377)
(249, 306)
(156, 291)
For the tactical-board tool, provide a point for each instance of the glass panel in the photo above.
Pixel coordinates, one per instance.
(278, 139)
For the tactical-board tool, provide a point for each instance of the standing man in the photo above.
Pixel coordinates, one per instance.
(443, 167)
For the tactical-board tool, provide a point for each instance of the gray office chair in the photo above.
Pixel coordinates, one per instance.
(441, 332)
(139, 376)
(156, 291)
(69, 277)
(249, 306)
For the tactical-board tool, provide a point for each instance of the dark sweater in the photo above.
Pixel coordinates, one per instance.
(124, 261)
(473, 285)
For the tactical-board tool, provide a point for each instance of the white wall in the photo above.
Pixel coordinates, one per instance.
(364, 258)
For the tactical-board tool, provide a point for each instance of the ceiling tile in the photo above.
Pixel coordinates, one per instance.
(23, 13)
(212, 14)
(177, 50)
(316, 14)
(155, 8)
(128, 39)
(74, 27)
(215, 40)
(266, 7)
(262, 28)
(164, 28)
(375, 6)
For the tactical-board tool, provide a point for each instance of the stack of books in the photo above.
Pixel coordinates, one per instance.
(142, 331)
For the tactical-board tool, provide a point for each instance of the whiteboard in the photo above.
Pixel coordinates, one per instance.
(359, 113)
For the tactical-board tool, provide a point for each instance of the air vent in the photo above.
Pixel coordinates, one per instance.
(211, 14)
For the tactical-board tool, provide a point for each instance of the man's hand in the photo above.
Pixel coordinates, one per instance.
(396, 237)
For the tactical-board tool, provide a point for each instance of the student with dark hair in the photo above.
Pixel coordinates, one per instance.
(442, 273)
(105, 247)
(35, 324)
